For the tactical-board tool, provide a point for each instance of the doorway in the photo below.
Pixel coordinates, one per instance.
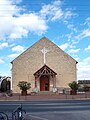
(44, 83)
(5, 86)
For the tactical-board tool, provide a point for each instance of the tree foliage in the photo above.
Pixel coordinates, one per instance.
(73, 85)
(24, 86)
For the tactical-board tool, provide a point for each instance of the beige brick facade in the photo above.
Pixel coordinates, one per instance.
(30, 61)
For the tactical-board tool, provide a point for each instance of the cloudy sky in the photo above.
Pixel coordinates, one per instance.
(65, 22)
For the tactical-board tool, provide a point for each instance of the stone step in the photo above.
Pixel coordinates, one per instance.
(45, 93)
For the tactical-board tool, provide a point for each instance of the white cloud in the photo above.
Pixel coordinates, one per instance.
(72, 27)
(12, 45)
(7, 10)
(13, 55)
(87, 60)
(88, 48)
(18, 33)
(18, 49)
(22, 24)
(52, 11)
(87, 21)
(83, 69)
(84, 34)
(16, 1)
(2, 45)
(68, 14)
(1, 61)
(75, 56)
(28, 22)
(74, 50)
(64, 46)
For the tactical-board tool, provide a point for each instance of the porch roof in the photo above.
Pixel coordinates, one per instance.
(45, 70)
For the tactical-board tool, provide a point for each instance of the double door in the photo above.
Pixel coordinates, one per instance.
(44, 83)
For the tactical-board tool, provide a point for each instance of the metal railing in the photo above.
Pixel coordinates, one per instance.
(18, 113)
(3, 116)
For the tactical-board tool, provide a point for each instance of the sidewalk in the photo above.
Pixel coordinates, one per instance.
(18, 97)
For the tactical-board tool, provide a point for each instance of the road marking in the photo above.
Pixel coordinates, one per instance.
(10, 104)
(37, 117)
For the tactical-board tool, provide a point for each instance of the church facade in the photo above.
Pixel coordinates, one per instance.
(45, 66)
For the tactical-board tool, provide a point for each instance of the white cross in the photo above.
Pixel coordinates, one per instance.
(44, 51)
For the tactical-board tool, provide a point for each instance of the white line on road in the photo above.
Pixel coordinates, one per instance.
(40, 118)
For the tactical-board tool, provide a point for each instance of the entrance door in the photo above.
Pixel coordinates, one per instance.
(44, 83)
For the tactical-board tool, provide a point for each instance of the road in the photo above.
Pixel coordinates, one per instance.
(52, 109)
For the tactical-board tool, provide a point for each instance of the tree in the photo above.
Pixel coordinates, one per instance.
(24, 86)
(74, 87)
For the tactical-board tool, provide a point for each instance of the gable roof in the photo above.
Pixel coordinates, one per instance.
(44, 70)
(45, 40)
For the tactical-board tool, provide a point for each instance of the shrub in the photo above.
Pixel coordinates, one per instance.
(24, 86)
(73, 85)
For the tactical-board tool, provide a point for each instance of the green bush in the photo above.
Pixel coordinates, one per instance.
(24, 86)
(73, 85)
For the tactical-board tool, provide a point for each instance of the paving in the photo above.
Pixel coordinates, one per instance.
(36, 97)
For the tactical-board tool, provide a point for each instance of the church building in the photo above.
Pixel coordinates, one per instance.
(45, 66)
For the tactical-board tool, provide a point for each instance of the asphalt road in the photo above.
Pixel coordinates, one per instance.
(52, 109)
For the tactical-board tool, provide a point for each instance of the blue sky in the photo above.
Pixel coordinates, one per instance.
(65, 22)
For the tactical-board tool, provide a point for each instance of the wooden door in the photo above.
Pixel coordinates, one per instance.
(44, 83)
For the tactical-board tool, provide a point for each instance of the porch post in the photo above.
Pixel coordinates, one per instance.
(35, 82)
(54, 81)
